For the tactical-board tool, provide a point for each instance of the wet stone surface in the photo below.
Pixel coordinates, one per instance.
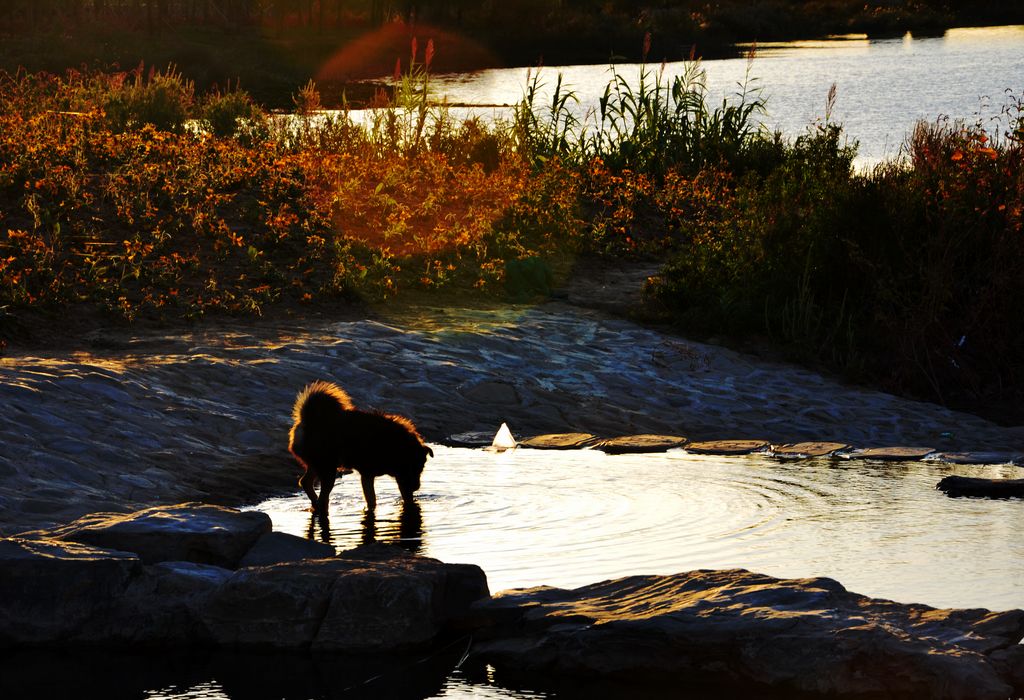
(204, 416)
(808, 449)
(636, 444)
(889, 454)
(727, 447)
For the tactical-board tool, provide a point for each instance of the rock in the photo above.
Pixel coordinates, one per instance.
(1011, 660)
(727, 447)
(399, 602)
(492, 392)
(372, 599)
(637, 444)
(890, 454)
(559, 441)
(474, 438)
(277, 547)
(957, 486)
(375, 598)
(194, 532)
(53, 591)
(808, 635)
(255, 438)
(280, 606)
(979, 457)
(801, 450)
(162, 606)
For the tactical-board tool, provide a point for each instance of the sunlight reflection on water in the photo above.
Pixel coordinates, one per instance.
(569, 518)
(884, 85)
(531, 517)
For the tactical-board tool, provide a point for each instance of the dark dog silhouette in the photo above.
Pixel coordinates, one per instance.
(330, 435)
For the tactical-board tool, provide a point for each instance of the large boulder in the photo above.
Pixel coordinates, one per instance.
(195, 532)
(372, 599)
(376, 598)
(162, 606)
(58, 591)
(809, 635)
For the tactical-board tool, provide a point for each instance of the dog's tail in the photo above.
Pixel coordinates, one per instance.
(428, 450)
(320, 399)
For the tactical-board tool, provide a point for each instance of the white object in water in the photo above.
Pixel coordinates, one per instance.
(503, 440)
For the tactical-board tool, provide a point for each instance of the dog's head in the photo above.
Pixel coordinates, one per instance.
(409, 482)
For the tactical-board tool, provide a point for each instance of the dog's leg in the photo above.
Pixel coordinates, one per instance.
(326, 484)
(368, 492)
(306, 481)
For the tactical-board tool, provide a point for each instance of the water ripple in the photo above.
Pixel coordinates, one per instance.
(532, 517)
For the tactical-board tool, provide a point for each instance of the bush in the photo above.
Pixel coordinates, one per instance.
(910, 272)
(233, 114)
(163, 99)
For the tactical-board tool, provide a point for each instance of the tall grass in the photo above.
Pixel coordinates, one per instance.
(649, 123)
(543, 132)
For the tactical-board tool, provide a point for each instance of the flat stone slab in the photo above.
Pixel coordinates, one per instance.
(195, 532)
(804, 635)
(890, 454)
(979, 457)
(967, 486)
(638, 444)
(800, 450)
(559, 441)
(727, 447)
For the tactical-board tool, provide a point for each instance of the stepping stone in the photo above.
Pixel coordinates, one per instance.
(470, 439)
(638, 444)
(559, 441)
(957, 486)
(801, 450)
(727, 447)
(979, 457)
(890, 454)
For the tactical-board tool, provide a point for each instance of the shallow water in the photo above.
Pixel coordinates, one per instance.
(569, 518)
(884, 85)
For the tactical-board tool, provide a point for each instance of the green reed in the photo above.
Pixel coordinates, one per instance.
(648, 124)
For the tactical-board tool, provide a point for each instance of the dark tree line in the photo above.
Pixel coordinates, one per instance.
(38, 13)
(306, 12)
(497, 19)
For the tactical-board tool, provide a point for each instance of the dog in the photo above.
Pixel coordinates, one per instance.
(329, 435)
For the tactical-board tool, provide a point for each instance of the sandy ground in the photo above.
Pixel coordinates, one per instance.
(204, 415)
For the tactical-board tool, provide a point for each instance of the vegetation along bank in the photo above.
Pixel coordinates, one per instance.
(135, 197)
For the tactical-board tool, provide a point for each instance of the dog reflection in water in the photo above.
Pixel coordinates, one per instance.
(408, 534)
(330, 436)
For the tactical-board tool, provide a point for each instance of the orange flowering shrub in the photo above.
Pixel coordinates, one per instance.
(149, 222)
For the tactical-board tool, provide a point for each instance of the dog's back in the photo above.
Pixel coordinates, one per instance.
(381, 443)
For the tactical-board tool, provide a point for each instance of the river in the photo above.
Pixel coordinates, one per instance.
(884, 85)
